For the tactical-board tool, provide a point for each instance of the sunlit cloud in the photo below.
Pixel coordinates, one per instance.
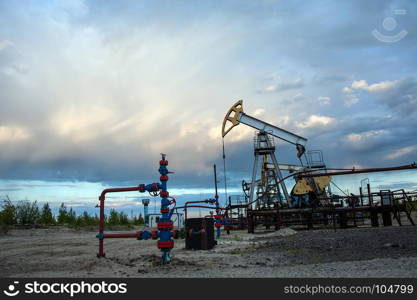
(401, 152)
(94, 92)
(13, 134)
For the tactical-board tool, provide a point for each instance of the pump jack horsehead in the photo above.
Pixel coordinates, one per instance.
(271, 169)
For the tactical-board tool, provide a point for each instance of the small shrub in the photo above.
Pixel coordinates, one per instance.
(46, 217)
(27, 213)
(8, 213)
(66, 217)
(113, 218)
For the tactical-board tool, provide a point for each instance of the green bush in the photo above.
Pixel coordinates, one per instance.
(118, 218)
(86, 220)
(8, 213)
(123, 219)
(27, 213)
(138, 220)
(46, 217)
(66, 217)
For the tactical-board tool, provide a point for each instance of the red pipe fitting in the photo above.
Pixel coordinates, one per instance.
(217, 225)
(163, 162)
(166, 244)
(141, 188)
(164, 210)
(165, 225)
(164, 178)
(139, 233)
(154, 234)
(164, 194)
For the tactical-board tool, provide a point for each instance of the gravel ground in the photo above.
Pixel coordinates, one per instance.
(356, 252)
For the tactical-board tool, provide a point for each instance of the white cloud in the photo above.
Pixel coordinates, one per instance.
(363, 136)
(13, 133)
(283, 85)
(379, 87)
(350, 100)
(271, 89)
(110, 80)
(258, 112)
(359, 84)
(282, 120)
(401, 152)
(324, 100)
(298, 97)
(316, 121)
(83, 124)
(350, 96)
(364, 140)
(4, 44)
(347, 90)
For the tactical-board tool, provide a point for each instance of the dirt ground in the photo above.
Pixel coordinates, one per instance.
(356, 252)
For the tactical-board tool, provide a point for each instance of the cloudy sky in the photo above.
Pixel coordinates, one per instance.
(92, 91)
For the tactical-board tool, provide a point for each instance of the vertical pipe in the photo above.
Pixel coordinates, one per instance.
(370, 200)
(101, 227)
(165, 224)
(254, 171)
(224, 170)
(216, 196)
(215, 182)
(146, 214)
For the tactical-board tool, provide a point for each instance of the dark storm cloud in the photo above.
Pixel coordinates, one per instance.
(94, 91)
(402, 98)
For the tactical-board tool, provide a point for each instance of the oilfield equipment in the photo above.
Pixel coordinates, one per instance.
(310, 201)
(199, 233)
(265, 192)
(266, 200)
(165, 224)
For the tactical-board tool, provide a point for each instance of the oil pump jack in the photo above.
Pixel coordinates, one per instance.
(266, 191)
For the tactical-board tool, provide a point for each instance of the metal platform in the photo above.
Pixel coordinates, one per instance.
(348, 211)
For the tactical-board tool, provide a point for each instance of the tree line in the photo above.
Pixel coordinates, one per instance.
(30, 213)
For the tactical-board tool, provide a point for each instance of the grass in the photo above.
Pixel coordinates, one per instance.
(316, 259)
(237, 238)
(295, 251)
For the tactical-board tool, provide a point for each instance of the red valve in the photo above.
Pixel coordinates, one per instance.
(165, 244)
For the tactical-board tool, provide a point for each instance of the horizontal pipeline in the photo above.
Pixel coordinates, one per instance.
(120, 235)
(353, 171)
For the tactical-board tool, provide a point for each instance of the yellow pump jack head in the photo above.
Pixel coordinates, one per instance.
(232, 116)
